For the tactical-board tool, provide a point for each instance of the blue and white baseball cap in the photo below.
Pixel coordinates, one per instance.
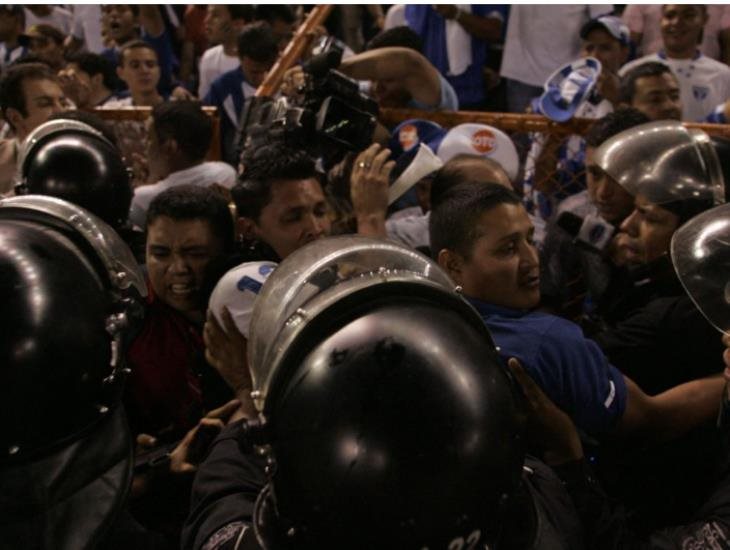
(611, 24)
(568, 87)
(408, 134)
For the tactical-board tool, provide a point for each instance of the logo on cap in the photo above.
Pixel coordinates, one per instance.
(408, 136)
(483, 142)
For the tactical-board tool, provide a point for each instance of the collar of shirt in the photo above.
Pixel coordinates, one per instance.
(663, 55)
(485, 308)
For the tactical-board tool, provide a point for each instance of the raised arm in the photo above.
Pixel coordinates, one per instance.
(412, 69)
(151, 19)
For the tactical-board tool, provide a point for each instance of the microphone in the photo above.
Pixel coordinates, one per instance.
(592, 232)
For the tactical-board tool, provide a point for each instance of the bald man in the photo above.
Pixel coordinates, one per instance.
(413, 230)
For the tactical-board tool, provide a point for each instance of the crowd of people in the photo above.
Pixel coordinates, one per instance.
(420, 337)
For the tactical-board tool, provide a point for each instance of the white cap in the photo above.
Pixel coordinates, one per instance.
(237, 290)
(480, 139)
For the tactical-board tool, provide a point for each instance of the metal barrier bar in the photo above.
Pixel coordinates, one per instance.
(515, 122)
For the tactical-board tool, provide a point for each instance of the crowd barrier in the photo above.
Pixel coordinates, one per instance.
(551, 176)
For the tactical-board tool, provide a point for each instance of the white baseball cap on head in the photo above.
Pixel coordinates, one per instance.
(483, 140)
(237, 290)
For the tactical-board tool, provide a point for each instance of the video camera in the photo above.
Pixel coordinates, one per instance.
(329, 116)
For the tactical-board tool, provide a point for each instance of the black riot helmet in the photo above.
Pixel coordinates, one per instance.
(73, 161)
(389, 419)
(70, 290)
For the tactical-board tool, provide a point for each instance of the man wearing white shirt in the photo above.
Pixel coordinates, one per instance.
(703, 82)
(644, 22)
(222, 25)
(179, 137)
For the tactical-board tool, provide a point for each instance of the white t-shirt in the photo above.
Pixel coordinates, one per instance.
(703, 83)
(203, 175)
(409, 230)
(541, 38)
(213, 63)
(87, 26)
(59, 17)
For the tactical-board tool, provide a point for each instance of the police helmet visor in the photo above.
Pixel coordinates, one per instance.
(701, 257)
(665, 162)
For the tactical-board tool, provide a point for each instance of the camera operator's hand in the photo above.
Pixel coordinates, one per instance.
(369, 190)
(548, 428)
(313, 37)
(225, 351)
(294, 82)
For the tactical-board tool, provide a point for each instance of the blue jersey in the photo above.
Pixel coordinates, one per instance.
(571, 369)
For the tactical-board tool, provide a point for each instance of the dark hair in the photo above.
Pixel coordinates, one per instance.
(402, 36)
(15, 10)
(96, 122)
(190, 202)
(11, 85)
(240, 11)
(272, 12)
(94, 64)
(257, 41)
(47, 32)
(30, 58)
(703, 7)
(134, 45)
(187, 124)
(269, 163)
(452, 174)
(453, 222)
(133, 7)
(627, 87)
(614, 123)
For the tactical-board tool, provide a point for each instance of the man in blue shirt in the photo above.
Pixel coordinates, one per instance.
(257, 51)
(481, 234)
(123, 21)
